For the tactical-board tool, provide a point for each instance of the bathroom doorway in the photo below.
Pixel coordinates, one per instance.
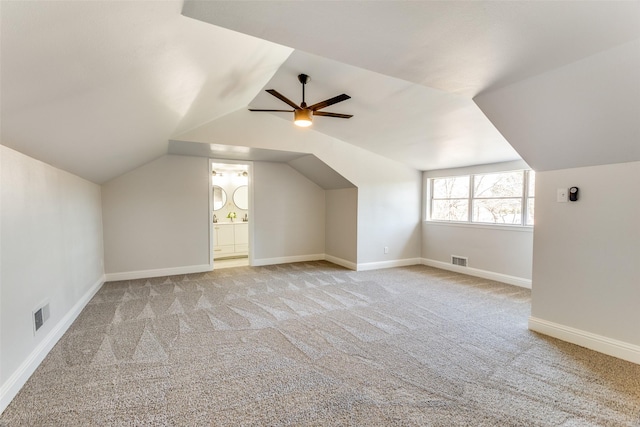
(231, 213)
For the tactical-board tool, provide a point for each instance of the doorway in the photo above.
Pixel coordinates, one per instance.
(231, 213)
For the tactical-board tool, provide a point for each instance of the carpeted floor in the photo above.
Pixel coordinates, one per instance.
(315, 344)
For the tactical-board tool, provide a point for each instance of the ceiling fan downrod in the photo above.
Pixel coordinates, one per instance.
(304, 79)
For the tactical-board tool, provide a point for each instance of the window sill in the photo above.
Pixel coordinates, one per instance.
(519, 228)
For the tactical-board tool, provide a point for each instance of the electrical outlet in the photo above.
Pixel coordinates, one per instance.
(562, 195)
(386, 249)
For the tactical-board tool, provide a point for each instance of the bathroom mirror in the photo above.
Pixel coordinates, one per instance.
(219, 197)
(241, 197)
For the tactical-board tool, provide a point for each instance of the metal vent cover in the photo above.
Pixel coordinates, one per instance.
(459, 260)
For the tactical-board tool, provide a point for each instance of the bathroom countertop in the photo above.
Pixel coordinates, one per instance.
(229, 222)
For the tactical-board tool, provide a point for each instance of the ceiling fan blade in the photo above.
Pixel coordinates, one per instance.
(338, 115)
(283, 98)
(278, 111)
(329, 101)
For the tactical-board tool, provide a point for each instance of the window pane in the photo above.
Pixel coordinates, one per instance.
(530, 207)
(506, 184)
(450, 210)
(498, 211)
(450, 188)
(532, 183)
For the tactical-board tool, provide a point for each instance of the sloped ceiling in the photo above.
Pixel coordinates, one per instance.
(503, 55)
(582, 114)
(462, 47)
(319, 172)
(307, 164)
(231, 152)
(98, 88)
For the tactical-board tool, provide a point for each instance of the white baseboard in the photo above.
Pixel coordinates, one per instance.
(302, 258)
(599, 343)
(342, 262)
(17, 380)
(499, 277)
(160, 272)
(387, 264)
(287, 259)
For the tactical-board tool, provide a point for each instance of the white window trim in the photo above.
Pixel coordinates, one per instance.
(488, 226)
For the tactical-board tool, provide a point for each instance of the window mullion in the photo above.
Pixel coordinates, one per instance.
(470, 200)
(525, 195)
(430, 201)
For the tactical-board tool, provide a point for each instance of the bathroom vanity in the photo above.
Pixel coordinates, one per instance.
(230, 239)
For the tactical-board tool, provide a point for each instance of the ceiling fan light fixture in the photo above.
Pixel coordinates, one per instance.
(302, 117)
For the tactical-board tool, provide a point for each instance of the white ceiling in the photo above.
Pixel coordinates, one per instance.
(98, 88)
(421, 127)
(462, 47)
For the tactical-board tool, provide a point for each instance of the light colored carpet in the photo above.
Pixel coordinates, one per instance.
(314, 344)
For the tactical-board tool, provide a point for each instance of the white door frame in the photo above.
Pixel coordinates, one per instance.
(249, 165)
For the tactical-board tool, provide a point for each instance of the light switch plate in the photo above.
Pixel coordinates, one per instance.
(562, 195)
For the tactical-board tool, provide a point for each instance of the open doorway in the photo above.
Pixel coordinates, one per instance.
(230, 213)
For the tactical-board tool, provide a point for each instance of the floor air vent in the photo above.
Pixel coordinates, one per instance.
(459, 260)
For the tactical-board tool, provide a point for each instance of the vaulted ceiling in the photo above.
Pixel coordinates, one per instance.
(98, 88)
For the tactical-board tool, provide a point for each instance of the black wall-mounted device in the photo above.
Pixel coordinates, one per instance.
(573, 194)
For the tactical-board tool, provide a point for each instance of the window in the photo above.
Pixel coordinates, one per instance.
(450, 200)
(491, 198)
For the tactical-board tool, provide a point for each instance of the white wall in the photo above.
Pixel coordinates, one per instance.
(586, 254)
(156, 218)
(389, 216)
(52, 249)
(490, 249)
(384, 186)
(288, 215)
(496, 252)
(341, 207)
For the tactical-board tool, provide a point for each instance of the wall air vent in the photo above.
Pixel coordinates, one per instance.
(459, 260)
(40, 315)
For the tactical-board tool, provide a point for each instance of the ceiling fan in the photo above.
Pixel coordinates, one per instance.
(303, 114)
